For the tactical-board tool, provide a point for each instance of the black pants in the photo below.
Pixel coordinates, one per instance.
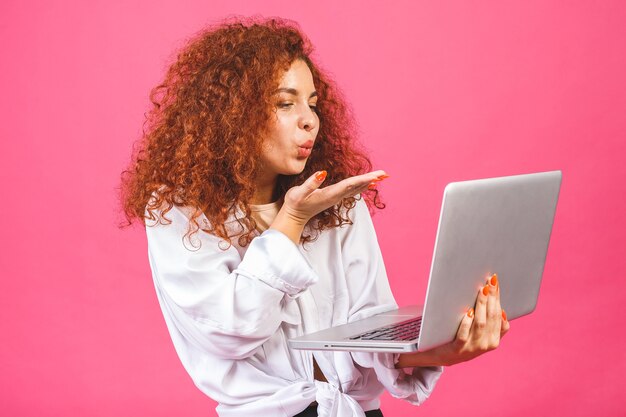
(311, 411)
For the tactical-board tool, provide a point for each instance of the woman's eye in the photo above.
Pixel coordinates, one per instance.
(287, 104)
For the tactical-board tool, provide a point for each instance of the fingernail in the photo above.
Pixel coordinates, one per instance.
(486, 290)
(321, 175)
(503, 315)
(470, 313)
(372, 185)
(494, 280)
(382, 177)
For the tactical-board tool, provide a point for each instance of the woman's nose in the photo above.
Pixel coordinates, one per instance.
(308, 119)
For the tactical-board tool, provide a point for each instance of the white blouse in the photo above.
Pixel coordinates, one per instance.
(230, 313)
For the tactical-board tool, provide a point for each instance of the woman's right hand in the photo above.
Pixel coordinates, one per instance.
(304, 201)
(480, 331)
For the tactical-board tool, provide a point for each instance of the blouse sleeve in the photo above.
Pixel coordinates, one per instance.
(370, 294)
(218, 300)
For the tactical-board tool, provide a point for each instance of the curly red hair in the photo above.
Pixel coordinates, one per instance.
(207, 122)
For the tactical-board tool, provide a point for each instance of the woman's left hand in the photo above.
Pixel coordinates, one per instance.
(480, 331)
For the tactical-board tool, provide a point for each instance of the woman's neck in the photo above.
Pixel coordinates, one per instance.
(265, 188)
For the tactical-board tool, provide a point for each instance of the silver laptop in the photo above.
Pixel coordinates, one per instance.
(495, 225)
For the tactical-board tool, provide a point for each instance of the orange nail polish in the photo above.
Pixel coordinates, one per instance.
(321, 175)
(470, 313)
(494, 280)
(486, 290)
(372, 185)
(503, 315)
(382, 177)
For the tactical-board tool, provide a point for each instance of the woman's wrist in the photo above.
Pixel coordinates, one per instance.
(411, 360)
(428, 358)
(289, 225)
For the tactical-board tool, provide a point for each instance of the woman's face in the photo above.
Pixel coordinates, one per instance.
(293, 129)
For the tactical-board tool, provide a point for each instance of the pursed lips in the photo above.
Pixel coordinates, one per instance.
(307, 144)
(304, 150)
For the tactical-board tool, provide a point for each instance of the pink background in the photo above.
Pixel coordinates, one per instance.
(443, 91)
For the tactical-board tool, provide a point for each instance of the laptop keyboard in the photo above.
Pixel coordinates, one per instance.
(406, 330)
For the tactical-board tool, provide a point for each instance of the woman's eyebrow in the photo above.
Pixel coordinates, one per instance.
(293, 91)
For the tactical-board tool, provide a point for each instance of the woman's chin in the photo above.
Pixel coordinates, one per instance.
(295, 169)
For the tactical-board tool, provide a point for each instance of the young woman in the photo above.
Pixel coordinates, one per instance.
(255, 200)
